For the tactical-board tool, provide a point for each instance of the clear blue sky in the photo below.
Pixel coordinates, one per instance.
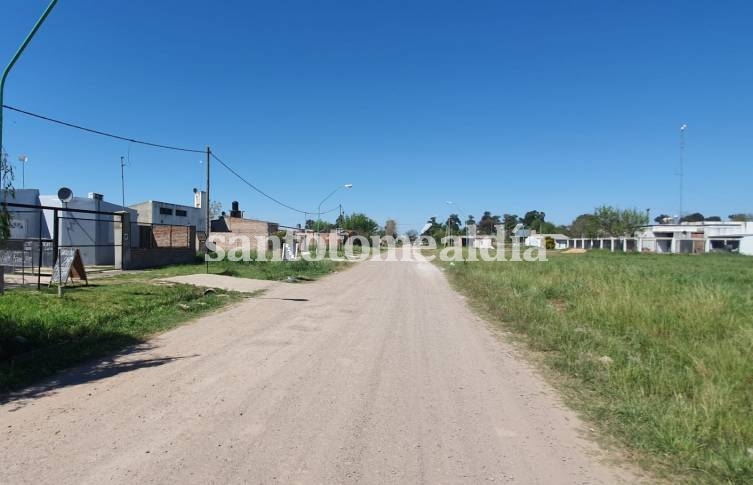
(500, 106)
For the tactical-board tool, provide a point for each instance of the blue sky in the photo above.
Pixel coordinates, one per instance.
(500, 106)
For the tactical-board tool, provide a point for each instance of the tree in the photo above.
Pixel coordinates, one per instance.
(509, 221)
(453, 223)
(694, 217)
(741, 217)
(309, 224)
(487, 223)
(585, 225)
(412, 234)
(662, 218)
(533, 220)
(433, 226)
(361, 224)
(6, 174)
(613, 222)
(215, 209)
(390, 228)
(714, 219)
(470, 221)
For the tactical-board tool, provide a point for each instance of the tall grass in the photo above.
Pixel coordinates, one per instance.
(41, 333)
(659, 347)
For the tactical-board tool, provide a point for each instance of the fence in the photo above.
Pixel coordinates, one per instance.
(39, 232)
(680, 245)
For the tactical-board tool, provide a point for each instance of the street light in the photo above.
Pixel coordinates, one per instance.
(23, 159)
(15, 57)
(449, 227)
(319, 209)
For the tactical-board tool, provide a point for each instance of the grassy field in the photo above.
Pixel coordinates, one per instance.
(41, 334)
(657, 349)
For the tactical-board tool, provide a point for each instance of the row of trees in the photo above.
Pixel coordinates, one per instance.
(605, 221)
(608, 221)
(698, 217)
(357, 222)
(486, 224)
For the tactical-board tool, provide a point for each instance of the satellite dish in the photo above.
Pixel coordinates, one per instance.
(65, 194)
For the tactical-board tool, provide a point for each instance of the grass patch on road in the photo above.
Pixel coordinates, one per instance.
(260, 270)
(41, 333)
(658, 348)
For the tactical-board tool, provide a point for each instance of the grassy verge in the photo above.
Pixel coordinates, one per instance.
(41, 333)
(261, 270)
(658, 348)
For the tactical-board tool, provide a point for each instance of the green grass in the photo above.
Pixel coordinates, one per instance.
(679, 333)
(261, 270)
(114, 312)
(89, 321)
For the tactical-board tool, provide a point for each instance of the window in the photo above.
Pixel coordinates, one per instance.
(165, 211)
(180, 213)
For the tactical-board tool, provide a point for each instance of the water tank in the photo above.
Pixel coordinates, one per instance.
(235, 211)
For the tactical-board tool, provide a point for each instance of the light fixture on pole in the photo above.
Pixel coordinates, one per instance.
(319, 209)
(23, 159)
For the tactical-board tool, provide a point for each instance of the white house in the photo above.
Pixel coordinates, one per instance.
(539, 240)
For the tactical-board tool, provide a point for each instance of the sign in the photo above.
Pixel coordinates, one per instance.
(68, 265)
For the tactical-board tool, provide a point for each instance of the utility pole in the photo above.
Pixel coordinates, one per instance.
(209, 224)
(122, 181)
(682, 164)
(13, 60)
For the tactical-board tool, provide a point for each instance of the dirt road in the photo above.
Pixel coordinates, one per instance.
(379, 374)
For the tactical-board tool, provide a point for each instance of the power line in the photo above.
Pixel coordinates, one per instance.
(261, 192)
(102, 133)
(166, 147)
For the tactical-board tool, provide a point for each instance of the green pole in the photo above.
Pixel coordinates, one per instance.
(15, 58)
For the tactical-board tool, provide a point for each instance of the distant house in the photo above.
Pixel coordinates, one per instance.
(237, 225)
(157, 212)
(539, 240)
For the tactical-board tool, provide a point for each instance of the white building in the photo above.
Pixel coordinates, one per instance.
(157, 212)
(539, 240)
(697, 237)
(91, 233)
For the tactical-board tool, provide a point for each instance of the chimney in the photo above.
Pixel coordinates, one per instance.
(96, 196)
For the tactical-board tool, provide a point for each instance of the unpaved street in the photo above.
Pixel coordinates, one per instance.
(379, 374)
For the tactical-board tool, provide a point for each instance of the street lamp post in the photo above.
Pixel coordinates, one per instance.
(23, 159)
(449, 227)
(15, 57)
(319, 209)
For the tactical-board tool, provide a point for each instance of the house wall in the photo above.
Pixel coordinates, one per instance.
(746, 246)
(26, 223)
(93, 234)
(250, 228)
(149, 212)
